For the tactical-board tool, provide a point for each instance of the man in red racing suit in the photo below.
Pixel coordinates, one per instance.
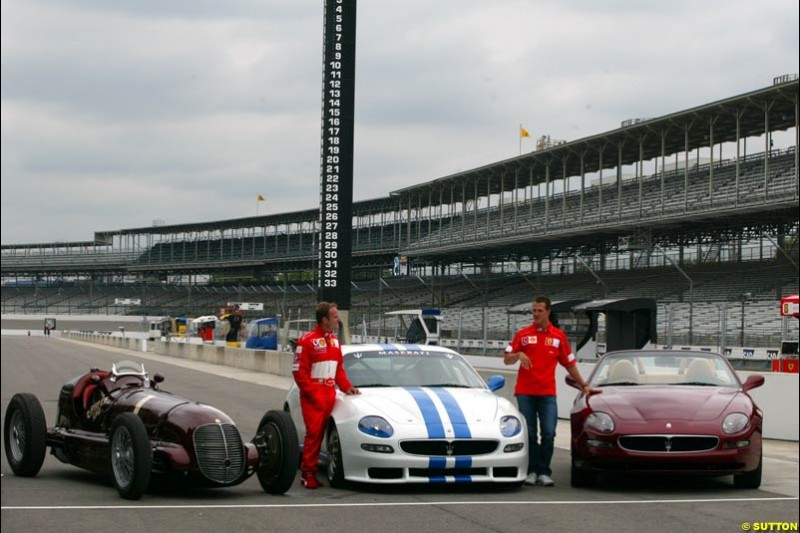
(317, 367)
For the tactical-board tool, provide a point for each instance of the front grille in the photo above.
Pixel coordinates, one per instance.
(668, 443)
(441, 472)
(667, 466)
(220, 452)
(449, 448)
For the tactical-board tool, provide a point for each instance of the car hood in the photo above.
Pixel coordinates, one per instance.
(401, 405)
(151, 406)
(668, 402)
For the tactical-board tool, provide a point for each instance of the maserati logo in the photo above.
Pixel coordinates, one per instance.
(668, 444)
(669, 426)
(449, 448)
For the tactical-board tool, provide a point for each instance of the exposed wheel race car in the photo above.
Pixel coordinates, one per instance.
(120, 423)
(667, 411)
(424, 415)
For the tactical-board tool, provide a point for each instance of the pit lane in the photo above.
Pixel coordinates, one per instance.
(65, 498)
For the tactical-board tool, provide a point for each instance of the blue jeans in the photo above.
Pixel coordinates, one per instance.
(539, 411)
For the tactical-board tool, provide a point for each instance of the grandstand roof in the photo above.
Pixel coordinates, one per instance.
(529, 169)
(56, 245)
(293, 217)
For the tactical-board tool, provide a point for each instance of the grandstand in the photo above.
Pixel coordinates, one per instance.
(693, 227)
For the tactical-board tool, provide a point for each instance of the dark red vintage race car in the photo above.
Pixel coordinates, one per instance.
(667, 411)
(120, 423)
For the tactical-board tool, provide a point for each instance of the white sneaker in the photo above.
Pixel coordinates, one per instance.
(531, 479)
(545, 481)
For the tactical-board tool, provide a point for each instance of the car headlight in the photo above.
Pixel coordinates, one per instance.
(510, 426)
(375, 426)
(600, 422)
(734, 423)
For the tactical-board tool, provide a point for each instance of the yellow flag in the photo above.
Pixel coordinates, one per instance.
(523, 132)
(260, 198)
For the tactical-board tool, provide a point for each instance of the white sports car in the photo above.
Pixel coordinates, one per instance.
(424, 415)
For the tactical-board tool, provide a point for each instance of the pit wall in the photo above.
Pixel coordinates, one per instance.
(778, 398)
(266, 361)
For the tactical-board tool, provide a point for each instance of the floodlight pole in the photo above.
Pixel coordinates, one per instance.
(744, 297)
(483, 308)
(691, 289)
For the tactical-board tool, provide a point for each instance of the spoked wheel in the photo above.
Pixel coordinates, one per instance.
(131, 456)
(25, 435)
(279, 452)
(335, 466)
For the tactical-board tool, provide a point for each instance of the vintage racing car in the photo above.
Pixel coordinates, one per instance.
(424, 415)
(121, 423)
(667, 411)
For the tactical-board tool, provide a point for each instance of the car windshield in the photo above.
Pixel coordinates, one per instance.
(127, 368)
(420, 368)
(673, 368)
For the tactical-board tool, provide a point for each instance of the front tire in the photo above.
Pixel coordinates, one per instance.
(25, 435)
(279, 452)
(580, 478)
(335, 465)
(131, 456)
(752, 479)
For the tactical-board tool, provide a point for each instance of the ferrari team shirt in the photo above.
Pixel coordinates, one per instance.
(318, 361)
(545, 347)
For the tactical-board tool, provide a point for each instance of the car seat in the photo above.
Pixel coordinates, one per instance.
(85, 387)
(623, 371)
(700, 371)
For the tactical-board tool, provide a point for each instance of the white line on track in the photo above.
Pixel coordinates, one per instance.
(388, 504)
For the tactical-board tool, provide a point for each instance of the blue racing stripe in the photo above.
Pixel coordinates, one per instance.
(463, 462)
(433, 422)
(438, 463)
(460, 426)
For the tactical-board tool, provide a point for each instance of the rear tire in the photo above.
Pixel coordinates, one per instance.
(752, 479)
(279, 452)
(335, 465)
(131, 456)
(25, 435)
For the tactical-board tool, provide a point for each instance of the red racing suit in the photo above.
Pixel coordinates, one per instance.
(317, 367)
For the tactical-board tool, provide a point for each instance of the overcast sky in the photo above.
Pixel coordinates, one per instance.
(115, 114)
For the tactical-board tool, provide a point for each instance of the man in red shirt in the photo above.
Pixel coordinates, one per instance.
(538, 348)
(317, 368)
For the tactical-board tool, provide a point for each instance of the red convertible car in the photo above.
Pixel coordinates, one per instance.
(667, 411)
(120, 423)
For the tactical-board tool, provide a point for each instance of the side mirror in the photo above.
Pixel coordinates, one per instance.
(569, 380)
(158, 378)
(753, 381)
(496, 382)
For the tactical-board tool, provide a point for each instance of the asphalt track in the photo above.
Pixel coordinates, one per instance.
(65, 498)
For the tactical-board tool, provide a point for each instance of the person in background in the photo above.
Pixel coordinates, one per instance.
(316, 369)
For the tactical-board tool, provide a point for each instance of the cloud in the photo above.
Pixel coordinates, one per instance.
(118, 113)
